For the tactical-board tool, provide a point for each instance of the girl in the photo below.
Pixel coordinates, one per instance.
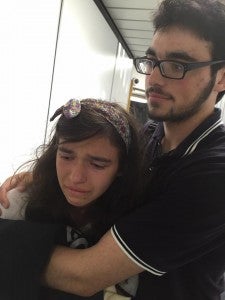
(86, 177)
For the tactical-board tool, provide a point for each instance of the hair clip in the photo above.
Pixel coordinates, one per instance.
(72, 108)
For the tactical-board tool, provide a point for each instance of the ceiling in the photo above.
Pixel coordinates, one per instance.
(130, 20)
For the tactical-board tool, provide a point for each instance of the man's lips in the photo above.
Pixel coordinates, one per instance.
(156, 97)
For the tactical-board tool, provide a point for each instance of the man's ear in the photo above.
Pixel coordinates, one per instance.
(220, 80)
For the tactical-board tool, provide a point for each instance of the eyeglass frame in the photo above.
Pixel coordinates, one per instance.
(186, 66)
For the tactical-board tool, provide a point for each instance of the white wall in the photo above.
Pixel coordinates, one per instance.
(89, 63)
(89, 57)
(86, 53)
(122, 78)
(27, 36)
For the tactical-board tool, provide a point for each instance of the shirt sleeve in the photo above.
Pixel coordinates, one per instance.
(24, 252)
(183, 221)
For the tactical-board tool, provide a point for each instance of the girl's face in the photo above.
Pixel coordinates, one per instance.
(86, 169)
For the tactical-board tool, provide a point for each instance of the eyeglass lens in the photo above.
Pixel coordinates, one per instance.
(168, 69)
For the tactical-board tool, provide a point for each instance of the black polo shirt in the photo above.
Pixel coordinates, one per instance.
(178, 235)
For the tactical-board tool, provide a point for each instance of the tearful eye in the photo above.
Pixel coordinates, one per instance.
(65, 157)
(98, 166)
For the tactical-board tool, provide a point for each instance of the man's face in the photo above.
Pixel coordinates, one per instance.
(177, 100)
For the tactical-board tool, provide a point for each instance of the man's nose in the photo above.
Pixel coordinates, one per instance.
(155, 78)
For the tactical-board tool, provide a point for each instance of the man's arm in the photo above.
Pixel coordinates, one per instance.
(87, 271)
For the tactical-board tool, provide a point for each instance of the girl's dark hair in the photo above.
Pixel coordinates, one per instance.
(46, 201)
(205, 18)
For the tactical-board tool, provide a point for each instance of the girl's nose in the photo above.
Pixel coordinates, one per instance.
(78, 173)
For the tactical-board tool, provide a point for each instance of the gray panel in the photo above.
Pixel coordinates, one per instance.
(130, 14)
(131, 3)
(133, 20)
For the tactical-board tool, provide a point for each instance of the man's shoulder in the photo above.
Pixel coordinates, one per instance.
(146, 133)
(149, 127)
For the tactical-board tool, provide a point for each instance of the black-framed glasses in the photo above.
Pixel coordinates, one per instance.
(170, 68)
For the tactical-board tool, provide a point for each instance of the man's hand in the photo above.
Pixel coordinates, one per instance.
(18, 181)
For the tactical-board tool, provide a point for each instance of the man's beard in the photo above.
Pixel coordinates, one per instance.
(189, 110)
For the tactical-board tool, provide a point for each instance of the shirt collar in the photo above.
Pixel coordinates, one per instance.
(189, 144)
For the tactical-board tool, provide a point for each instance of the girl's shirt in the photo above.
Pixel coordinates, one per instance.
(75, 239)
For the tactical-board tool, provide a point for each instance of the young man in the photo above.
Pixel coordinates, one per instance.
(176, 241)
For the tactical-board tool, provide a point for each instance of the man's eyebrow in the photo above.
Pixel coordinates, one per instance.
(150, 51)
(180, 55)
(173, 55)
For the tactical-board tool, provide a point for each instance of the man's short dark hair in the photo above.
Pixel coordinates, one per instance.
(205, 18)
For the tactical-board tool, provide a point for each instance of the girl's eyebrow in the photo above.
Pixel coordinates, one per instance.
(100, 159)
(64, 149)
(93, 157)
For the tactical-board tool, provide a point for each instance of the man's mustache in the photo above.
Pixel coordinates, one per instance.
(157, 90)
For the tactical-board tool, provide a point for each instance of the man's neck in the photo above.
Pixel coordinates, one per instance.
(176, 132)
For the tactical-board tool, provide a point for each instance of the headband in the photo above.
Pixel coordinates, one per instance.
(73, 107)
